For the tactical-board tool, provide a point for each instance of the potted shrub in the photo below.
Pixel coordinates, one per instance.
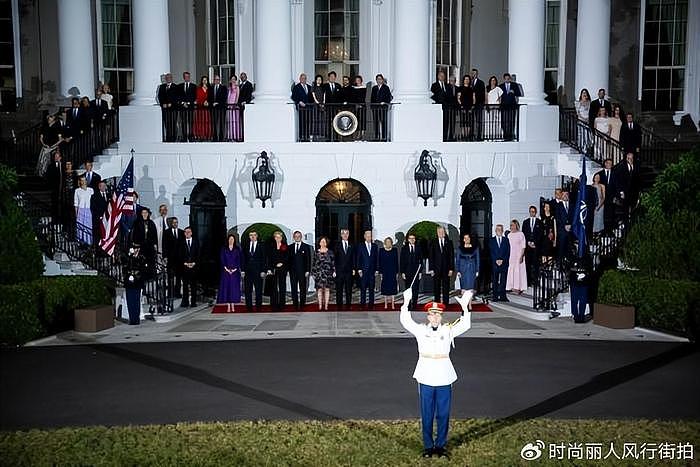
(612, 308)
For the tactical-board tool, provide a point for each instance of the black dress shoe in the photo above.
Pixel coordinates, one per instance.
(427, 453)
(184, 305)
(441, 452)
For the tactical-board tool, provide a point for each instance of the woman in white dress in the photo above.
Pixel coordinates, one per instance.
(81, 202)
(602, 124)
(107, 96)
(599, 216)
(615, 123)
(492, 119)
(583, 105)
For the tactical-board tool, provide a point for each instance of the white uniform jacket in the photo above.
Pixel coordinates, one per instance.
(434, 367)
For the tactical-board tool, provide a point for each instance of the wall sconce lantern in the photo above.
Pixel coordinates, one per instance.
(263, 178)
(425, 176)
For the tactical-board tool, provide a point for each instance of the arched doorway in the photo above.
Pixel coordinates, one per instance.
(343, 203)
(208, 221)
(476, 220)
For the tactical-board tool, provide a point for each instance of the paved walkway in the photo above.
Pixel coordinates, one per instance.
(341, 378)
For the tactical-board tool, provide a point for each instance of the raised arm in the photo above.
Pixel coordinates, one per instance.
(464, 323)
(405, 315)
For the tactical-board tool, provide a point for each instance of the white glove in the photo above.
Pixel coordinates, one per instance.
(465, 299)
(407, 295)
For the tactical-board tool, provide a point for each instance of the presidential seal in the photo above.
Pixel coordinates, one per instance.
(345, 123)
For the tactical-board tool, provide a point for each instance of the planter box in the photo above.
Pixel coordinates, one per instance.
(613, 316)
(94, 318)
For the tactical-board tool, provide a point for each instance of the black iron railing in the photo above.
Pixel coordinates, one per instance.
(71, 238)
(658, 152)
(343, 122)
(491, 122)
(605, 246)
(551, 280)
(203, 124)
(578, 134)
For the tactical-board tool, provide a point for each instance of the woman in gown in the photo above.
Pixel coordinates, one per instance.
(493, 112)
(388, 267)
(233, 113)
(277, 271)
(599, 216)
(517, 270)
(466, 100)
(202, 120)
(615, 123)
(323, 272)
(50, 137)
(230, 284)
(359, 97)
(81, 202)
(467, 263)
(583, 106)
(602, 124)
(549, 233)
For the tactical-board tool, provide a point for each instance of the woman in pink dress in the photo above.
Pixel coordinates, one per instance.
(233, 112)
(517, 271)
(202, 120)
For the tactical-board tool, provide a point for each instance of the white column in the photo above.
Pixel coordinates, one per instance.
(151, 48)
(526, 48)
(691, 93)
(75, 45)
(412, 44)
(592, 46)
(273, 54)
(297, 34)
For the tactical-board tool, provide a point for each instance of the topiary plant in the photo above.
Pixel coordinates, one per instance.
(264, 231)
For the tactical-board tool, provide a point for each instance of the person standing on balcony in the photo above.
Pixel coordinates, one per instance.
(439, 95)
(509, 106)
(380, 98)
(479, 101)
(332, 89)
(359, 97)
(493, 112)
(218, 95)
(441, 265)
(233, 111)
(301, 95)
(83, 216)
(318, 94)
(202, 113)
(499, 246)
(346, 90)
(596, 105)
(631, 137)
(246, 90)
(167, 99)
(186, 98)
(532, 229)
(466, 100)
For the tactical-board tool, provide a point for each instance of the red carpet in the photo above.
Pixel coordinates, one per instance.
(312, 307)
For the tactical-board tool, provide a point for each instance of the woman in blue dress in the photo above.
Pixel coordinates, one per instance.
(467, 263)
(388, 267)
(230, 285)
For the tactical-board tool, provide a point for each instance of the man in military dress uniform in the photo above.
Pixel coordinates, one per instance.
(434, 371)
(134, 265)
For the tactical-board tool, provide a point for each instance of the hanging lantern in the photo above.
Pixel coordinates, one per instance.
(263, 178)
(425, 176)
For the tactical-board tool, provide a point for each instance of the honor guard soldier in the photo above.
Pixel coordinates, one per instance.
(434, 371)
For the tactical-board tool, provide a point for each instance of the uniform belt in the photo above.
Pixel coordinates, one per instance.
(434, 355)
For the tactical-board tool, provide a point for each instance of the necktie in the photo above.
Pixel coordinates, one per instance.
(607, 175)
(630, 126)
(532, 223)
(164, 224)
(411, 249)
(441, 245)
(189, 243)
(345, 246)
(507, 87)
(104, 196)
(175, 234)
(216, 90)
(89, 177)
(296, 249)
(442, 85)
(498, 239)
(369, 249)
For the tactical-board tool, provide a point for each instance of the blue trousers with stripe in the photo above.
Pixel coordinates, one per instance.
(435, 404)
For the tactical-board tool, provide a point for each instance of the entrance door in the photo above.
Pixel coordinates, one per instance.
(476, 221)
(208, 221)
(343, 204)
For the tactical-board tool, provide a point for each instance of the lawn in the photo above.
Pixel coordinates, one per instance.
(472, 442)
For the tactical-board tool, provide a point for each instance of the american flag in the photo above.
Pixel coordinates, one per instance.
(122, 201)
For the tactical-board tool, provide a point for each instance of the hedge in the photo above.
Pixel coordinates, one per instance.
(45, 306)
(663, 304)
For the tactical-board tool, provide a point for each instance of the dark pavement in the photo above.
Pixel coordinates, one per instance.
(341, 378)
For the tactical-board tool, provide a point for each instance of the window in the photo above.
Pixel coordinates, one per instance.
(551, 49)
(222, 20)
(447, 36)
(336, 37)
(663, 73)
(7, 58)
(117, 53)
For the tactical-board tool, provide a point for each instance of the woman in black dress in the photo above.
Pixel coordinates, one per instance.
(359, 97)
(549, 233)
(466, 100)
(277, 271)
(323, 272)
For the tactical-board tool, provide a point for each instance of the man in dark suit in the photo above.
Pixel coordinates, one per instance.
(441, 260)
(253, 270)
(439, 94)
(626, 186)
(99, 109)
(411, 261)
(563, 216)
(93, 178)
(346, 90)
(366, 264)
(189, 257)
(56, 180)
(380, 98)
(245, 89)
(480, 99)
(532, 229)
(332, 89)
(499, 247)
(300, 257)
(98, 207)
(173, 241)
(596, 105)
(631, 137)
(217, 97)
(76, 118)
(186, 98)
(344, 269)
(168, 95)
(509, 106)
(301, 95)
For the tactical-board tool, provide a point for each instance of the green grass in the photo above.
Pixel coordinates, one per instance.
(472, 442)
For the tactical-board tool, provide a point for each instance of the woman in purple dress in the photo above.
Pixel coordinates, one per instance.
(230, 286)
(233, 112)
